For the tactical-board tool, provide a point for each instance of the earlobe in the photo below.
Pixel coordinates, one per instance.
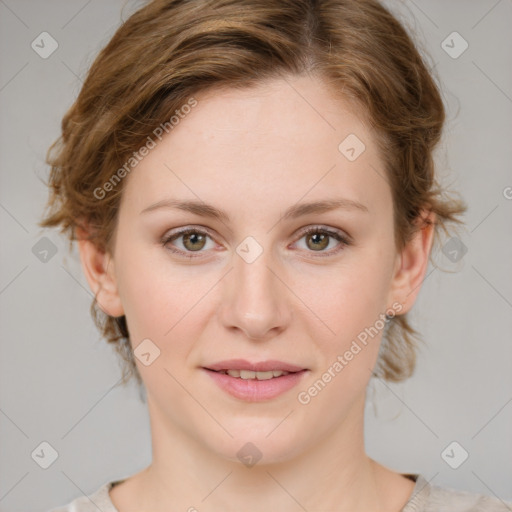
(412, 264)
(98, 268)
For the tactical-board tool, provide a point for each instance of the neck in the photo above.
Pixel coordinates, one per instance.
(334, 474)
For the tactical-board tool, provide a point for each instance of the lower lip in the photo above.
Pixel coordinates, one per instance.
(253, 390)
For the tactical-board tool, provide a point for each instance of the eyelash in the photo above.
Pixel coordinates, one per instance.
(344, 241)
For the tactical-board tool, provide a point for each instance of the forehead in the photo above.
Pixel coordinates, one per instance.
(279, 112)
(273, 143)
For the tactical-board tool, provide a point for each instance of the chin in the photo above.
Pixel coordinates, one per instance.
(257, 443)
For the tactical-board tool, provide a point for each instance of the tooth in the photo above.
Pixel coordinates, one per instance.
(249, 374)
(264, 375)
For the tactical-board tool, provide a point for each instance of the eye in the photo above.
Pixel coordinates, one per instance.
(193, 240)
(317, 239)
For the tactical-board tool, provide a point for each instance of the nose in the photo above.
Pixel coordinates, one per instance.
(255, 298)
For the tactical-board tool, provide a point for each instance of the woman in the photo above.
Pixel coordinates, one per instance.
(252, 189)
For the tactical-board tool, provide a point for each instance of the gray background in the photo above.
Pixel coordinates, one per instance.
(58, 377)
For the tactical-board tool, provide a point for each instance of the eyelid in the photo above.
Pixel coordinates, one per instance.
(178, 232)
(344, 240)
(326, 229)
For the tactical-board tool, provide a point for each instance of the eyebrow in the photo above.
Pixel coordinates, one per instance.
(295, 211)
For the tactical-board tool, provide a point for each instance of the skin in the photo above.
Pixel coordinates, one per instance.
(253, 153)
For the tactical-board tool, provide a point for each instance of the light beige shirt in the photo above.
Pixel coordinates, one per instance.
(425, 498)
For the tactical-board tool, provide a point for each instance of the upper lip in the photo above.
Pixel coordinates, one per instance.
(261, 366)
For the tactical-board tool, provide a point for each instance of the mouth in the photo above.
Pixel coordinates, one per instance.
(254, 382)
(252, 375)
(258, 367)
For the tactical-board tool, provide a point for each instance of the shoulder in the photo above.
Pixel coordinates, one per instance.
(442, 498)
(98, 500)
(433, 498)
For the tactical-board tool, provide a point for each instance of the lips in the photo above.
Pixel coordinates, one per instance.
(255, 389)
(262, 366)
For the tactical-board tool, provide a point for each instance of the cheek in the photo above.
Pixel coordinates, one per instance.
(348, 316)
(351, 296)
(164, 303)
(153, 297)
(348, 350)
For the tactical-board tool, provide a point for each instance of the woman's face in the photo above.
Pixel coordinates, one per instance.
(248, 283)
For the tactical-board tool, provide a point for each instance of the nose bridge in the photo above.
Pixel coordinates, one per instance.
(255, 300)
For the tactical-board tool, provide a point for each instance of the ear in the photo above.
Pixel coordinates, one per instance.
(412, 263)
(98, 267)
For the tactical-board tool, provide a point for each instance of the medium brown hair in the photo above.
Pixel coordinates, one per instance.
(169, 50)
